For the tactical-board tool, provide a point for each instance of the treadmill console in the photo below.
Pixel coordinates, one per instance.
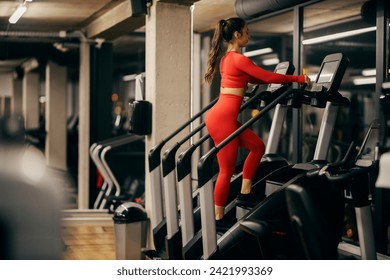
(331, 72)
(325, 87)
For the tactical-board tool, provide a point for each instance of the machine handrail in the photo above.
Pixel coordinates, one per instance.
(169, 155)
(184, 158)
(155, 152)
(351, 173)
(98, 152)
(205, 172)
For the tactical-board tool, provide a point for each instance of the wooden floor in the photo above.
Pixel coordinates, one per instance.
(92, 242)
(85, 241)
(89, 242)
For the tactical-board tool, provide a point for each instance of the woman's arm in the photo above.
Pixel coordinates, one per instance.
(261, 76)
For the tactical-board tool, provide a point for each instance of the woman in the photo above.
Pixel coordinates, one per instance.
(236, 72)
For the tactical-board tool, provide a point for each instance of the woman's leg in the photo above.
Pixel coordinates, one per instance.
(219, 212)
(227, 157)
(221, 121)
(249, 140)
(246, 186)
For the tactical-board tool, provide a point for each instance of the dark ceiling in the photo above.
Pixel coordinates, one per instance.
(45, 18)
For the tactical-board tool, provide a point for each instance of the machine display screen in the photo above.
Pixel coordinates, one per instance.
(327, 72)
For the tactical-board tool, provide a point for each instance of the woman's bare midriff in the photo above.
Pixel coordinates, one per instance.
(234, 91)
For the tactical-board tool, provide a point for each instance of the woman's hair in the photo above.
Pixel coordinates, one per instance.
(224, 32)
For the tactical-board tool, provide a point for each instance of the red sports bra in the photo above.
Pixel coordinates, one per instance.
(237, 71)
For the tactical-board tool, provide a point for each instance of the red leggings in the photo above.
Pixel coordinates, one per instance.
(221, 121)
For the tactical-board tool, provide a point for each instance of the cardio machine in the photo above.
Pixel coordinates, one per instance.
(359, 183)
(190, 215)
(158, 221)
(166, 230)
(383, 183)
(272, 211)
(169, 232)
(309, 211)
(113, 192)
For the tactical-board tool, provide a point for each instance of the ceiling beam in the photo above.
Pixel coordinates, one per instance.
(115, 22)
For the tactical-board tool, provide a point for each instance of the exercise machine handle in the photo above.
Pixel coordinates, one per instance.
(155, 152)
(332, 167)
(351, 173)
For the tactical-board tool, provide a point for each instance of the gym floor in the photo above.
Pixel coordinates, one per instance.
(86, 242)
(89, 242)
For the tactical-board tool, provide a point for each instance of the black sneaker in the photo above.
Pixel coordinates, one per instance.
(222, 225)
(249, 199)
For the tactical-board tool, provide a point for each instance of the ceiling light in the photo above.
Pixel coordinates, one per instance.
(271, 61)
(336, 36)
(258, 52)
(364, 81)
(369, 72)
(18, 13)
(386, 86)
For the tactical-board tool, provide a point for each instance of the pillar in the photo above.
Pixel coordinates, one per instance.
(168, 73)
(84, 127)
(5, 93)
(56, 138)
(95, 89)
(31, 100)
(6, 105)
(17, 101)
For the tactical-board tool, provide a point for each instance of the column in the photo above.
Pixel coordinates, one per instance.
(5, 93)
(56, 138)
(17, 101)
(168, 73)
(31, 100)
(84, 127)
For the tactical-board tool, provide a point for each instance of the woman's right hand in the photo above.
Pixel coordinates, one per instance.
(307, 80)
